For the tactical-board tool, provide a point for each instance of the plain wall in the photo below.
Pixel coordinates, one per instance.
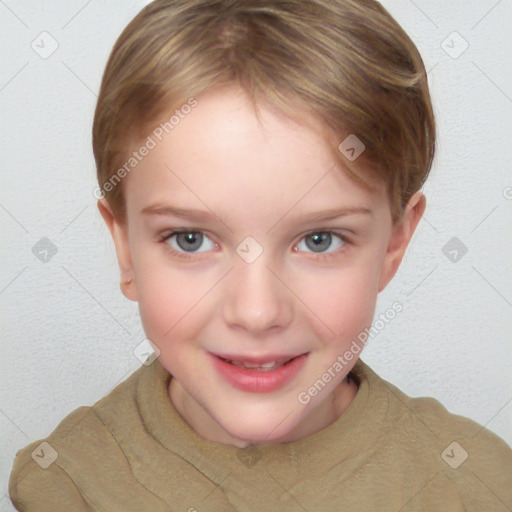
(68, 334)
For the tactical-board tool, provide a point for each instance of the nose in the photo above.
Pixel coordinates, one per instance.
(256, 299)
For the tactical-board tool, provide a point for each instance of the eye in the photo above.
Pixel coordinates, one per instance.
(188, 241)
(320, 241)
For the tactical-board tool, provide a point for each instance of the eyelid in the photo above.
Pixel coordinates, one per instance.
(184, 255)
(339, 232)
(346, 240)
(171, 232)
(344, 234)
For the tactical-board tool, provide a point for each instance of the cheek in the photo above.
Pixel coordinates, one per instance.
(167, 299)
(169, 312)
(343, 300)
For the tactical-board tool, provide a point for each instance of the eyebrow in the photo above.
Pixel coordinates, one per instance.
(182, 213)
(203, 215)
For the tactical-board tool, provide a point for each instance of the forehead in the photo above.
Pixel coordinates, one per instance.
(220, 155)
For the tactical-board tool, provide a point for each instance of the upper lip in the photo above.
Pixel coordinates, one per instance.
(259, 359)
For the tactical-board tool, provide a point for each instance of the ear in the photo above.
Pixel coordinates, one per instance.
(119, 232)
(401, 235)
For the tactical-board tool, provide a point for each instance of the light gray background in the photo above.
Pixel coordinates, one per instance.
(68, 333)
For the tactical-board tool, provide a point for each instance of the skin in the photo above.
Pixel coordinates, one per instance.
(265, 181)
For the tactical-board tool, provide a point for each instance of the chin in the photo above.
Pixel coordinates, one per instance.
(262, 430)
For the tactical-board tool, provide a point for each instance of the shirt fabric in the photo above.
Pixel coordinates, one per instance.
(132, 452)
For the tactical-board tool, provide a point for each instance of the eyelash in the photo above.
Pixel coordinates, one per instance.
(320, 256)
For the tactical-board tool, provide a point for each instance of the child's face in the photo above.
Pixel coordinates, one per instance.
(306, 293)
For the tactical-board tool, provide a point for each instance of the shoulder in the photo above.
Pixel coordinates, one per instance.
(38, 482)
(78, 459)
(430, 417)
(461, 431)
(475, 462)
(459, 457)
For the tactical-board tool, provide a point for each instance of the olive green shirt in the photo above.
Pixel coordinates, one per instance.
(132, 451)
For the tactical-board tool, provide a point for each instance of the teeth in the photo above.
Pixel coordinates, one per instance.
(265, 367)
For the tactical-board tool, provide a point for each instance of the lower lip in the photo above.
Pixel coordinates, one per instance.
(256, 381)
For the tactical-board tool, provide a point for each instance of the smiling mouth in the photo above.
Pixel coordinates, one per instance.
(260, 367)
(259, 373)
(265, 363)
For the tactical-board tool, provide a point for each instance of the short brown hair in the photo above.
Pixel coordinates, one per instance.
(347, 61)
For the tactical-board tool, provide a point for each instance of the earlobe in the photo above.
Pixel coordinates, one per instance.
(119, 232)
(401, 235)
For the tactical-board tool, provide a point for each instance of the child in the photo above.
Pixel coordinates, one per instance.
(286, 143)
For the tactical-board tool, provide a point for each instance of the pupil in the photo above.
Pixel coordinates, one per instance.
(189, 241)
(321, 241)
